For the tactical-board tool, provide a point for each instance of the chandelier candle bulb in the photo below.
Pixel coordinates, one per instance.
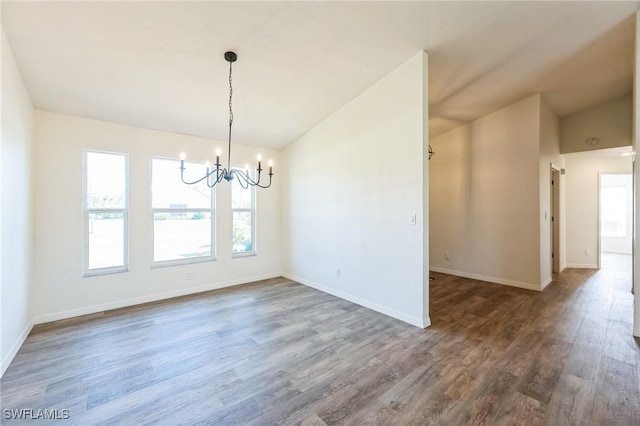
(270, 167)
(218, 152)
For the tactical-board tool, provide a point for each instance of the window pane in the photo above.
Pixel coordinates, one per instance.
(614, 211)
(242, 238)
(168, 191)
(105, 180)
(106, 240)
(179, 235)
(240, 197)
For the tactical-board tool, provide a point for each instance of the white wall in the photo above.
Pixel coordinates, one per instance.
(619, 244)
(610, 122)
(484, 198)
(582, 182)
(549, 154)
(351, 185)
(635, 143)
(60, 289)
(16, 229)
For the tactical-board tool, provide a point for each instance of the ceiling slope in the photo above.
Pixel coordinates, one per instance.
(160, 64)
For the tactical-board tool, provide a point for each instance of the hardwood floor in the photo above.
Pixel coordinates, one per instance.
(277, 352)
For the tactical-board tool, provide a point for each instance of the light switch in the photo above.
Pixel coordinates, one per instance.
(412, 219)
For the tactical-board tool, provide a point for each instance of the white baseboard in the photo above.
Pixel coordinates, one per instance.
(546, 283)
(582, 265)
(495, 280)
(563, 267)
(145, 299)
(6, 361)
(418, 322)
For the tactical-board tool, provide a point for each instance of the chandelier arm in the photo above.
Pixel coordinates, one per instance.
(253, 182)
(243, 179)
(217, 180)
(257, 182)
(195, 181)
(265, 186)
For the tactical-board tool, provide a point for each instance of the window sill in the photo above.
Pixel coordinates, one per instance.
(240, 255)
(168, 263)
(104, 271)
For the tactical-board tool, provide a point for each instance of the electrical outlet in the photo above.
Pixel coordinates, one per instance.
(189, 276)
(412, 219)
(447, 255)
(587, 252)
(337, 272)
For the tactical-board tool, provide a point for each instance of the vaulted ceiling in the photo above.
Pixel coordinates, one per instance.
(160, 64)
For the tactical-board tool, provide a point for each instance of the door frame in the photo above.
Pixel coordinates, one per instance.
(554, 182)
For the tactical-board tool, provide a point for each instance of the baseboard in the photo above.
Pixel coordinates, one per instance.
(546, 283)
(563, 267)
(145, 299)
(495, 280)
(582, 265)
(15, 348)
(418, 322)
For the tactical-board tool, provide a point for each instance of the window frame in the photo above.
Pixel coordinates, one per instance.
(251, 210)
(86, 212)
(212, 210)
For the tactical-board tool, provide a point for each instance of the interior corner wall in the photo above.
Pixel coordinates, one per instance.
(549, 154)
(61, 291)
(484, 198)
(353, 207)
(636, 176)
(16, 209)
(582, 188)
(610, 122)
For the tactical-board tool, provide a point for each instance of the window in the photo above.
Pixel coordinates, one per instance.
(183, 215)
(613, 211)
(105, 212)
(243, 211)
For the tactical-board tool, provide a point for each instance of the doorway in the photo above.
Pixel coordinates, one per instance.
(616, 216)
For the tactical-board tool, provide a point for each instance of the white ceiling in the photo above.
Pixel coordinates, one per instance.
(160, 64)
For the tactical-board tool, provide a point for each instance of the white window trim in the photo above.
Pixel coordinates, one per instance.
(87, 211)
(212, 211)
(252, 210)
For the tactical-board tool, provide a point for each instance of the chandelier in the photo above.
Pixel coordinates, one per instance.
(430, 152)
(216, 174)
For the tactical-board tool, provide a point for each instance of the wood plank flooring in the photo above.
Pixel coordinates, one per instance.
(277, 352)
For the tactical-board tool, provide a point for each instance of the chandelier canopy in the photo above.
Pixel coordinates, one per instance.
(216, 174)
